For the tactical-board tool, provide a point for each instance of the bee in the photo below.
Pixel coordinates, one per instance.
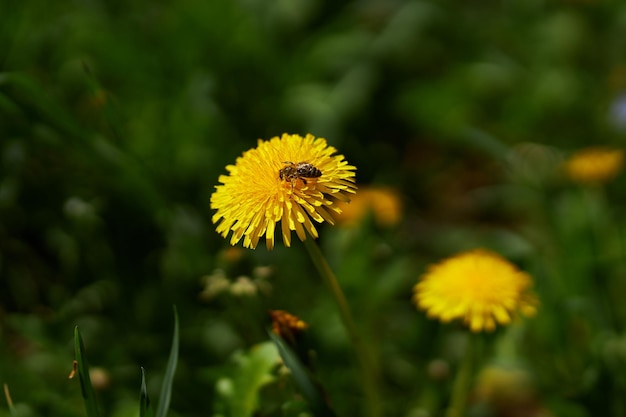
(298, 171)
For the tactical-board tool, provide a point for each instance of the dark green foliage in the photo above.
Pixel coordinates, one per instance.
(89, 396)
(309, 388)
(145, 407)
(7, 395)
(168, 379)
(117, 118)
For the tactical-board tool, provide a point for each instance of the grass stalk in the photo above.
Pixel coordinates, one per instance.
(365, 359)
(461, 386)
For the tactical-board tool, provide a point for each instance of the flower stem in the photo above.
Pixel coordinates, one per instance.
(363, 353)
(462, 381)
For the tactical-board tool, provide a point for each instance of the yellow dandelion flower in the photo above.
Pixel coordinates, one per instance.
(594, 165)
(479, 287)
(384, 203)
(289, 180)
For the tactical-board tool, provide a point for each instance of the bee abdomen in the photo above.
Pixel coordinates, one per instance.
(308, 171)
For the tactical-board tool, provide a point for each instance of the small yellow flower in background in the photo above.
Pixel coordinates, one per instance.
(480, 287)
(384, 203)
(232, 255)
(289, 180)
(100, 378)
(594, 165)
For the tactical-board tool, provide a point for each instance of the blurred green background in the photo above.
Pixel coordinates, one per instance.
(117, 117)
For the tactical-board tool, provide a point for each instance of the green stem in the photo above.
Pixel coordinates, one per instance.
(596, 209)
(462, 381)
(363, 353)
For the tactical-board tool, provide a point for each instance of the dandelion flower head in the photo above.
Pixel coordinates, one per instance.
(291, 180)
(479, 287)
(594, 165)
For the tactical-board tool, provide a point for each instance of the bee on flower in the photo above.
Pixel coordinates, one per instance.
(286, 182)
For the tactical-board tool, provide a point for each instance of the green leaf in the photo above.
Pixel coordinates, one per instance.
(166, 388)
(310, 390)
(7, 395)
(145, 408)
(253, 371)
(89, 396)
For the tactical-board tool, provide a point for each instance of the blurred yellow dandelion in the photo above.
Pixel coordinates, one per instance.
(289, 180)
(594, 165)
(479, 287)
(383, 202)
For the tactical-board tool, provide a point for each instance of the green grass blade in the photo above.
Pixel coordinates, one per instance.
(89, 396)
(7, 395)
(310, 390)
(145, 408)
(166, 388)
(34, 94)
